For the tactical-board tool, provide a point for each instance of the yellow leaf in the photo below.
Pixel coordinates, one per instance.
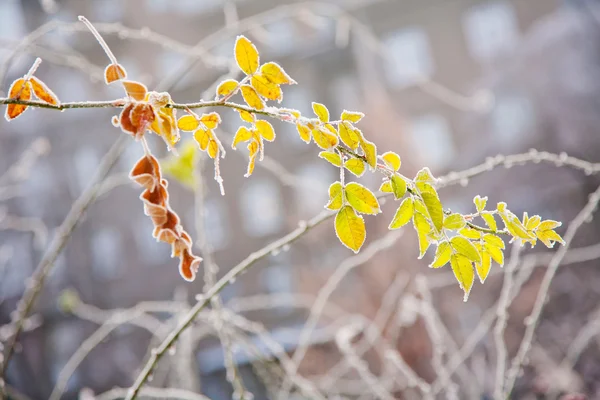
(253, 150)
(246, 55)
(361, 199)
(356, 166)
(136, 90)
(348, 135)
(386, 187)
(495, 252)
(266, 130)
(321, 111)
(463, 271)
(114, 72)
(182, 167)
(442, 255)
(370, 151)
(480, 203)
(213, 148)
(304, 132)
(352, 116)
(227, 87)
(350, 228)
(42, 91)
(335, 196)
(203, 136)
(423, 229)
(398, 186)
(533, 223)
(210, 120)
(434, 208)
(454, 222)
(392, 160)
(19, 89)
(266, 88)
(470, 233)
(274, 73)
(187, 123)
(243, 134)
(514, 226)
(548, 224)
(251, 97)
(483, 268)
(290, 111)
(323, 138)
(489, 219)
(464, 246)
(493, 240)
(333, 158)
(549, 237)
(404, 213)
(246, 116)
(424, 176)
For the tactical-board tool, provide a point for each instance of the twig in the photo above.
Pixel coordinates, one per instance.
(153, 393)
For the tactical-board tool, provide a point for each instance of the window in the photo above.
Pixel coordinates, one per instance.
(106, 253)
(261, 204)
(409, 57)
(312, 195)
(490, 29)
(431, 138)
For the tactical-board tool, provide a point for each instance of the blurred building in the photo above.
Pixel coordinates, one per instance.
(113, 261)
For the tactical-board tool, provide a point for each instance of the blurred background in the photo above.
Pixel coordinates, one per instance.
(444, 83)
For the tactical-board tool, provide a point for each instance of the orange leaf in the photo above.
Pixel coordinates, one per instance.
(19, 90)
(43, 92)
(136, 90)
(114, 72)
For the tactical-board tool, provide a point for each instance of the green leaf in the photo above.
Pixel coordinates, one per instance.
(464, 247)
(361, 199)
(493, 240)
(403, 214)
(398, 186)
(463, 271)
(350, 228)
(442, 255)
(386, 187)
(454, 222)
(336, 196)
(348, 136)
(533, 223)
(434, 208)
(470, 233)
(333, 158)
(496, 253)
(483, 268)
(480, 203)
(352, 116)
(392, 160)
(489, 219)
(356, 166)
(321, 111)
(423, 229)
(424, 176)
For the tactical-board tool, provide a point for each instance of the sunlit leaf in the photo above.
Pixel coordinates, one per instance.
(187, 123)
(480, 203)
(442, 255)
(243, 134)
(266, 130)
(227, 87)
(370, 151)
(489, 219)
(246, 55)
(21, 90)
(470, 233)
(213, 148)
(483, 268)
(404, 213)
(42, 91)
(336, 198)
(114, 72)
(210, 120)
(398, 186)
(251, 97)
(392, 160)
(135, 89)
(323, 138)
(493, 240)
(495, 252)
(434, 209)
(463, 271)
(454, 222)
(361, 199)
(203, 137)
(533, 223)
(246, 116)
(548, 224)
(350, 228)
(423, 229)
(352, 116)
(266, 88)
(549, 237)
(348, 136)
(253, 151)
(321, 111)
(464, 246)
(332, 157)
(386, 187)
(304, 132)
(356, 166)
(274, 73)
